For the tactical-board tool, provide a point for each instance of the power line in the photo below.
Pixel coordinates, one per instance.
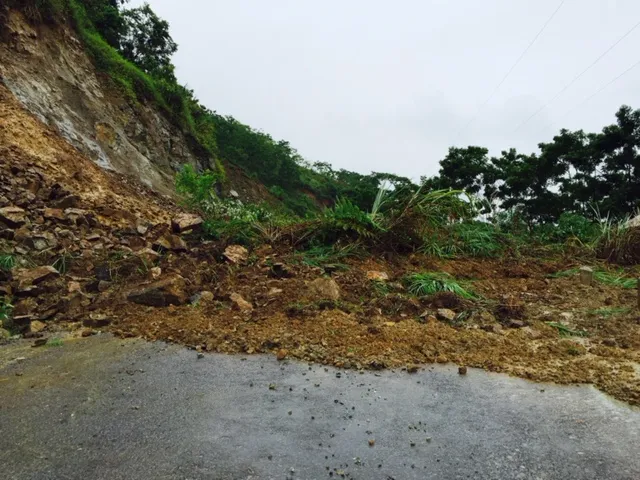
(495, 90)
(577, 77)
(601, 89)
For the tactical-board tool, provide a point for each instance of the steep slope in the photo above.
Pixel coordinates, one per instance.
(48, 70)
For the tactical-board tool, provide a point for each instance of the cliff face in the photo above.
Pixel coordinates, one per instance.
(49, 72)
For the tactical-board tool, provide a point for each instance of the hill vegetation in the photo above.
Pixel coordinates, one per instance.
(574, 189)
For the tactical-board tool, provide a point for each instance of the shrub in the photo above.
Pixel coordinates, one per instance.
(429, 283)
(198, 188)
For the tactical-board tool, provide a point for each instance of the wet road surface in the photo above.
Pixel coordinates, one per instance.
(104, 408)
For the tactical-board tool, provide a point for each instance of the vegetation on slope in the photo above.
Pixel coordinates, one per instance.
(575, 188)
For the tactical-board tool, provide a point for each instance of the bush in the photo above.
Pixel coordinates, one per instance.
(429, 283)
(198, 188)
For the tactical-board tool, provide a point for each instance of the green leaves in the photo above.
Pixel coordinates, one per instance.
(428, 283)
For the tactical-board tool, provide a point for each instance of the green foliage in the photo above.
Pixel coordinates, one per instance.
(7, 261)
(347, 218)
(322, 256)
(198, 188)
(147, 43)
(47, 11)
(566, 331)
(569, 226)
(5, 312)
(54, 342)
(428, 283)
(617, 279)
(610, 311)
(473, 239)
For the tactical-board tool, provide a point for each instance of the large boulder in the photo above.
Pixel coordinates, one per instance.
(165, 292)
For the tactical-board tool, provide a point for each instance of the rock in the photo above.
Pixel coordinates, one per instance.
(40, 342)
(54, 214)
(281, 355)
(511, 323)
(279, 270)
(142, 227)
(206, 296)
(234, 194)
(103, 272)
(274, 292)
(372, 442)
(147, 255)
(412, 368)
(97, 320)
(186, 221)
(609, 342)
(33, 276)
(240, 303)
(70, 201)
(73, 287)
(21, 322)
(171, 243)
(462, 370)
(162, 293)
(492, 328)
(13, 217)
(377, 276)
(445, 315)
(92, 237)
(566, 315)
(586, 275)
(87, 333)
(103, 285)
(76, 216)
(236, 254)
(37, 326)
(41, 241)
(324, 288)
(155, 273)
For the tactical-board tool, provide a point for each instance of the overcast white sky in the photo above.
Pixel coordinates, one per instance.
(372, 85)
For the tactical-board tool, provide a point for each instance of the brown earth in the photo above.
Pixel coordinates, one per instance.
(112, 244)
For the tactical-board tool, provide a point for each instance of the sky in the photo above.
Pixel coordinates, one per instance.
(371, 85)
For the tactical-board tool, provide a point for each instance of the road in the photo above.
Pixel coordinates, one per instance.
(105, 408)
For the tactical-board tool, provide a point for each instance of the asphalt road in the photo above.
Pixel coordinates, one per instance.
(103, 408)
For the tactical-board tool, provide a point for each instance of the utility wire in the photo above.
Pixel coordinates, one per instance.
(601, 89)
(495, 90)
(577, 77)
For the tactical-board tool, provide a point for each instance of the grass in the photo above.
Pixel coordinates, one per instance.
(610, 311)
(428, 283)
(324, 256)
(608, 278)
(7, 262)
(5, 311)
(565, 331)
(54, 342)
(61, 264)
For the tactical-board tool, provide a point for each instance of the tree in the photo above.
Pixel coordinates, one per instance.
(147, 43)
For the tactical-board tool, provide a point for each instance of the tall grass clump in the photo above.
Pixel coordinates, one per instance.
(429, 283)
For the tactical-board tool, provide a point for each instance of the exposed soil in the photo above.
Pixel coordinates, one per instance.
(109, 237)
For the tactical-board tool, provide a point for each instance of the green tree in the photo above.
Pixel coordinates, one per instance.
(147, 43)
